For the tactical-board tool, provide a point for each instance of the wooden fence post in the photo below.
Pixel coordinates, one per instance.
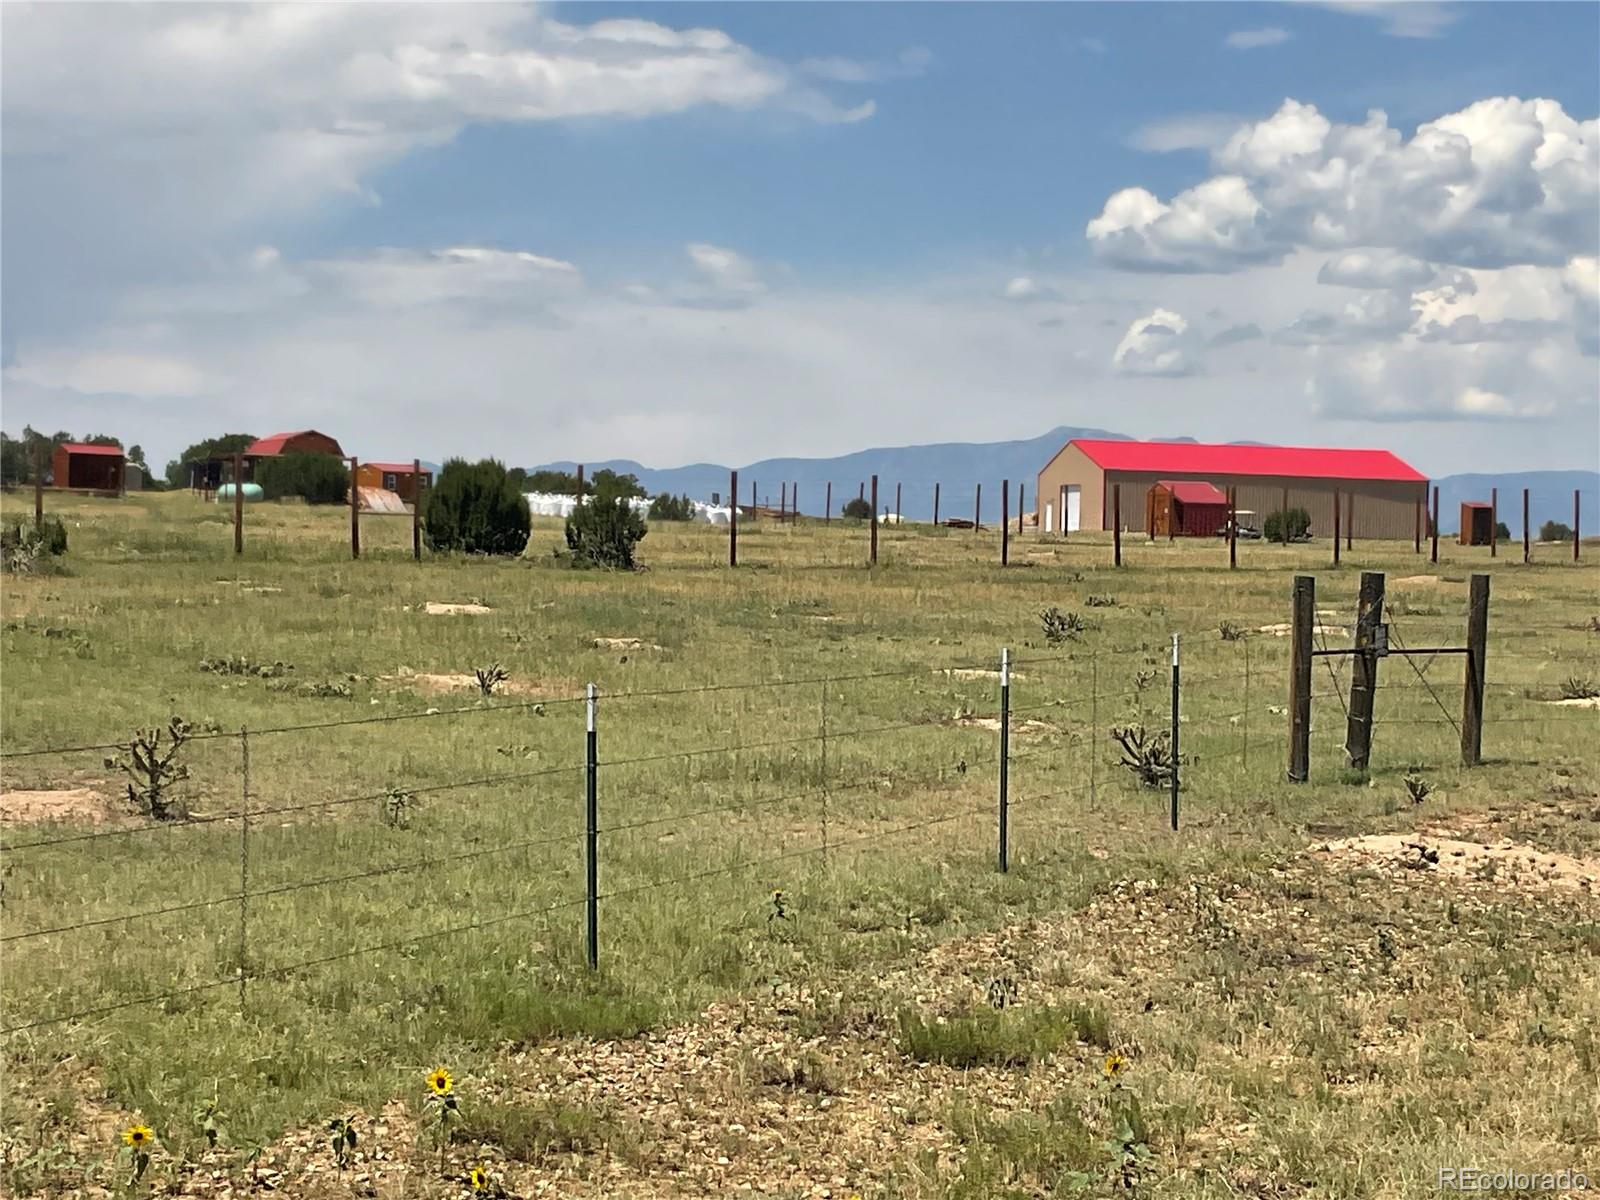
(1364, 672)
(1022, 494)
(873, 557)
(1494, 522)
(1303, 614)
(794, 501)
(1116, 525)
(355, 510)
(827, 506)
(1336, 527)
(1416, 527)
(1472, 696)
(1433, 555)
(733, 518)
(238, 504)
(977, 510)
(1350, 521)
(1005, 522)
(579, 501)
(898, 511)
(416, 509)
(1575, 515)
(752, 499)
(783, 499)
(1527, 538)
(1233, 528)
(936, 504)
(38, 484)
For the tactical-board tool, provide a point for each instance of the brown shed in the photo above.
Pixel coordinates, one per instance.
(1477, 523)
(92, 468)
(1077, 487)
(1177, 508)
(304, 441)
(400, 478)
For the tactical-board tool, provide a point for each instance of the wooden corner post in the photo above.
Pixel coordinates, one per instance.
(936, 504)
(1116, 524)
(1005, 522)
(355, 509)
(416, 509)
(1233, 528)
(1304, 612)
(827, 505)
(977, 509)
(1472, 696)
(1494, 522)
(872, 557)
(238, 504)
(1364, 672)
(1527, 536)
(733, 518)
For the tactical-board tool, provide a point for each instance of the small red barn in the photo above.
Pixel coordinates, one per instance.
(1185, 508)
(93, 468)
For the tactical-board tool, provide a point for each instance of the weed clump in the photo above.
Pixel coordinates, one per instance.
(27, 549)
(990, 1037)
(1579, 687)
(1061, 627)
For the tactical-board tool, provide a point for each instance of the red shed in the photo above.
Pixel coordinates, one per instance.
(1185, 508)
(93, 468)
(1477, 523)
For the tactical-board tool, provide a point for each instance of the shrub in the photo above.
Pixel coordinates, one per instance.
(671, 508)
(603, 531)
(1555, 531)
(26, 547)
(1287, 525)
(1502, 532)
(856, 510)
(474, 508)
(319, 478)
(1060, 626)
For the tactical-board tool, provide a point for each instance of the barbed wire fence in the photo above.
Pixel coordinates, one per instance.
(1024, 750)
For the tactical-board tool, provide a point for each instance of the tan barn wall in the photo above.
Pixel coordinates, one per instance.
(1383, 508)
(1071, 465)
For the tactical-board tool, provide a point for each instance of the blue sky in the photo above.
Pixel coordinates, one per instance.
(678, 232)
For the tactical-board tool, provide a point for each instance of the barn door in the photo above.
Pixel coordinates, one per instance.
(1049, 518)
(1074, 498)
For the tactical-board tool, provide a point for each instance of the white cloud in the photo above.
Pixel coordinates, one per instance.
(1024, 289)
(1401, 18)
(1254, 39)
(1501, 182)
(152, 376)
(1187, 131)
(1432, 383)
(729, 276)
(1155, 345)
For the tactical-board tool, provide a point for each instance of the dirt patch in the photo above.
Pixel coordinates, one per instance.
(1285, 629)
(1512, 864)
(992, 724)
(978, 673)
(56, 804)
(1418, 579)
(435, 608)
(624, 643)
(431, 684)
(1578, 702)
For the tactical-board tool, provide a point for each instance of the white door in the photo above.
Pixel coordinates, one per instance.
(1074, 499)
(1049, 518)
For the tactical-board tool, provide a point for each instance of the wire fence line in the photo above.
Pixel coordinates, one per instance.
(936, 759)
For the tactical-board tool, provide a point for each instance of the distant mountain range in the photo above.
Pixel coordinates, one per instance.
(959, 468)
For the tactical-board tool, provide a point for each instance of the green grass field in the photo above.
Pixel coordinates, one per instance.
(904, 1020)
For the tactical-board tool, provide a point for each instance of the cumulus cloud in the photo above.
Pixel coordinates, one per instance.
(1024, 289)
(728, 277)
(1375, 269)
(1501, 182)
(1156, 344)
(1429, 382)
(1234, 334)
(1255, 39)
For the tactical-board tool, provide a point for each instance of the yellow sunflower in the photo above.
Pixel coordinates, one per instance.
(1115, 1065)
(138, 1136)
(439, 1082)
(478, 1178)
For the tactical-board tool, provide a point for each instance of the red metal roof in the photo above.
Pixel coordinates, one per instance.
(86, 448)
(1195, 458)
(1193, 492)
(274, 443)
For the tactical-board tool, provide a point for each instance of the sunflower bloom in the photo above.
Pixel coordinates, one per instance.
(138, 1136)
(1115, 1065)
(478, 1178)
(439, 1081)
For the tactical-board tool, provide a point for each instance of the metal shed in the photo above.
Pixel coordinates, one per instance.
(1184, 508)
